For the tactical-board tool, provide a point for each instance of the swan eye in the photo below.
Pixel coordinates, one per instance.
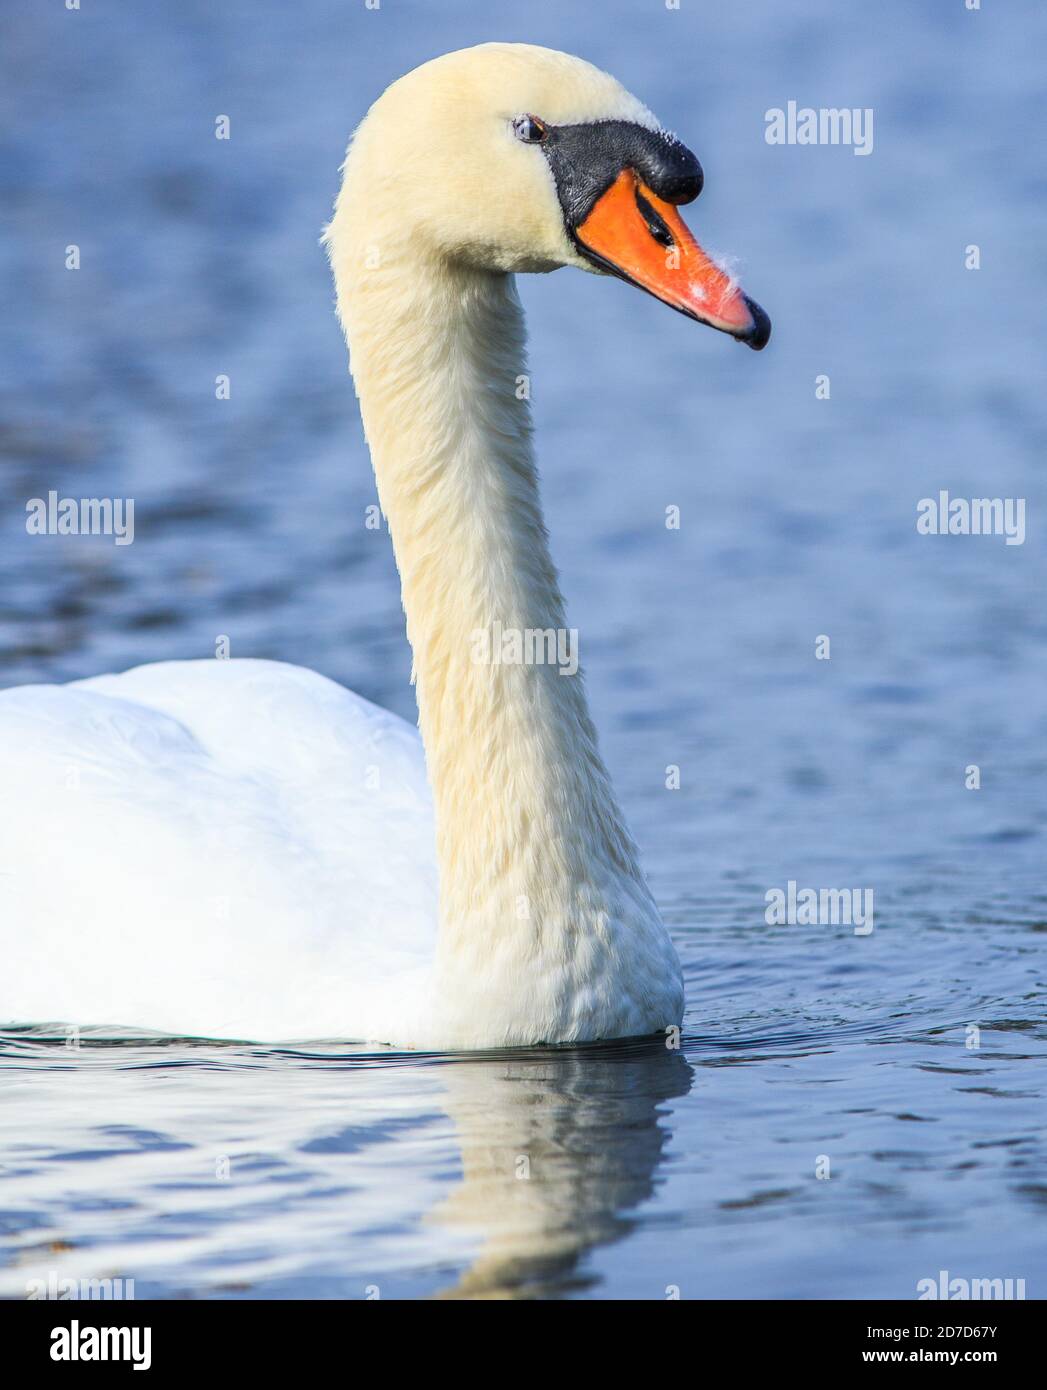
(529, 129)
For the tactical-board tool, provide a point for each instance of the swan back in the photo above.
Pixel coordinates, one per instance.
(224, 848)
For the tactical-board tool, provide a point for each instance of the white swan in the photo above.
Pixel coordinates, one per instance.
(242, 849)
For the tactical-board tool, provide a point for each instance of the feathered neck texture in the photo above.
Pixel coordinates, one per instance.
(547, 929)
(524, 806)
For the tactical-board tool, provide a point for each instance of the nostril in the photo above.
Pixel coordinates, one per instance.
(655, 222)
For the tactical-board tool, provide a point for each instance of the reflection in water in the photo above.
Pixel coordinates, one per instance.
(557, 1150)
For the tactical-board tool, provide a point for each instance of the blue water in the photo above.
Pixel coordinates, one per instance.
(909, 1065)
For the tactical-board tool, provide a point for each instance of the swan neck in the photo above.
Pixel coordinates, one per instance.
(529, 835)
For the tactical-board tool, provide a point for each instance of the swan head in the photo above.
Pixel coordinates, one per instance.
(509, 157)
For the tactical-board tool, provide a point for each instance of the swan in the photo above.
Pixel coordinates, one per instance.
(242, 849)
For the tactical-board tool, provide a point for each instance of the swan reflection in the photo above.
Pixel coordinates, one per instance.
(558, 1149)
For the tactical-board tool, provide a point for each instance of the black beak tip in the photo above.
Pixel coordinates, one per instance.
(760, 334)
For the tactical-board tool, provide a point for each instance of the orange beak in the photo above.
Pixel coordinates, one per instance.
(640, 237)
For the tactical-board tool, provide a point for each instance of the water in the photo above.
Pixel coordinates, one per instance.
(622, 1170)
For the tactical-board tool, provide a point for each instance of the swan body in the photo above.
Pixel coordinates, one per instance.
(238, 849)
(244, 849)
